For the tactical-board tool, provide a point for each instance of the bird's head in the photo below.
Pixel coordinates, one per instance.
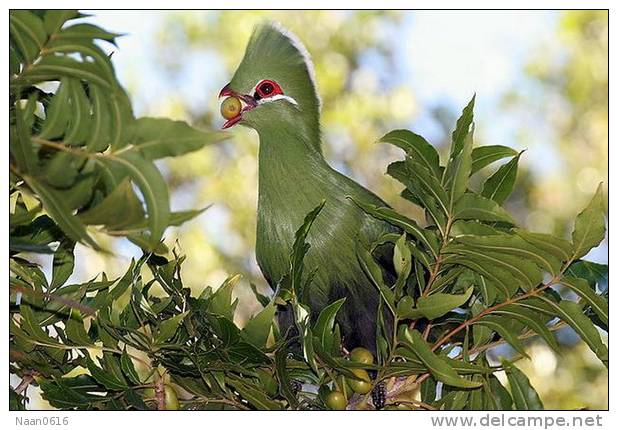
(274, 83)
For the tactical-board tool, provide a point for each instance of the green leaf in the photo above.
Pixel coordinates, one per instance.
(17, 402)
(284, 377)
(20, 146)
(423, 185)
(501, 278)
(589, 226)
(107, 379)
(499, 399)
(56, 113)
(594, 273)
(299, 250)
(118, 209)
(85, 48)
(524, 395)
(54, 67)
(513, 245)
(79, 122)
(101, 120)
(436, 364)
(473, 206)
(599, 305)
(527, 273)
(30, 325)
(258, 328)
(485, 155)
(416, 147)
(438, 304)
(221, 300)
(56, 207)
(534, 322)
(22, 215)
(80, 193)
(156, 138)
(61, 170)
(54, 19)
(153, 188)
(571, 313)
(552, 245)
(325, 324)
(500, 326)
(457, 172)
(472, 228)
(126, 364)
(402, 257)
(87, 31)
(500, 185)
(462, 128)
(63, 263)
(373, 271)
(28, 32)
(168, 327)
(180, 217)
(75, 331)
(253, 395)
(394, 218)
(67, 393)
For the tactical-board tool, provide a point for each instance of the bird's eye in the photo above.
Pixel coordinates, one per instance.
(266, 88)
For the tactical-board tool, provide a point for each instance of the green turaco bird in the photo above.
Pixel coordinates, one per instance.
(276, 84)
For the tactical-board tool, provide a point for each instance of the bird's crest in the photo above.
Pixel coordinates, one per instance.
(275, 51)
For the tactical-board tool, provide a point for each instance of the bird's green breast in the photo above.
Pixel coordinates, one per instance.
(292, 181)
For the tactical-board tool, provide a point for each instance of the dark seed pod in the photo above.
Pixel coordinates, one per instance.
(295, 386)
(378, 395)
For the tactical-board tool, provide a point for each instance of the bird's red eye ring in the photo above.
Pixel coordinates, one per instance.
(267, 88)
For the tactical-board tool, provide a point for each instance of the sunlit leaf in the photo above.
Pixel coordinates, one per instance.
(156, 138)
(436, 305)
(500, 185)
(485, 155)
(598, 304)
(416, 147)
(589, 228)
(325, 324)
(258, 327)
(498, 324)
(524, 395)
(473, 206)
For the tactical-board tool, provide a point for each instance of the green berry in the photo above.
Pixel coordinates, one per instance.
(361, 355)
(335, 400)
(362, 386)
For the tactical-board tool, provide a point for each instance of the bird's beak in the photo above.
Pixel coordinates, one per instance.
(248, 103)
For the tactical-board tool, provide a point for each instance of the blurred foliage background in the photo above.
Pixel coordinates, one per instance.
(542, 85)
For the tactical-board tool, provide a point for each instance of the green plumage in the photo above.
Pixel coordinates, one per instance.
(294, 178)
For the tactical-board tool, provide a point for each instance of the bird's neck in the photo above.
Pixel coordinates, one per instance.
(290, 158)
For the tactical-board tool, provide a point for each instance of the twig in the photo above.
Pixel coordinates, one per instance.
(25, 382)
(88, 310)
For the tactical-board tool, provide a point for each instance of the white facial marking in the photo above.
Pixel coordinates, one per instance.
(277, 97)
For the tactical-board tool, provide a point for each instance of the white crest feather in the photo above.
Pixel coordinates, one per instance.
(298, 44)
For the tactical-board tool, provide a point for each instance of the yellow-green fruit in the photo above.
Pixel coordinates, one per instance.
(361, 355)
(171, 398)
(335, 400)
(360, 386)
(230, 107)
